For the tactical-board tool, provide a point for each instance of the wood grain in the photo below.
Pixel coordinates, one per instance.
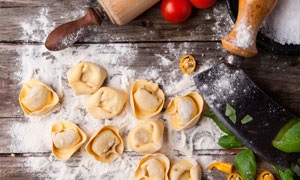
(41, 3)
(204, 25)
(26, 24)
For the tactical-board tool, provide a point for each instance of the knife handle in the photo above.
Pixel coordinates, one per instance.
(67, 34)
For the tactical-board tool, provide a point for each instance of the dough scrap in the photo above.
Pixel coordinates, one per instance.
(106, 103)
(146, 99)
(86, 78)
(185, 111)
(146, 137)
(67, 138)
(106, 144)
(153, 166)
(185, 169)
(36, 98)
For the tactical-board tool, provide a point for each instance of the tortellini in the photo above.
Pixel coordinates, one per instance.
(66, 139)
(184, 169)
(86, 78)
(146, 99)
(147, 137)
(106, 144)
(185, 111)
(153, 166)
(106, 103)
(36, 98)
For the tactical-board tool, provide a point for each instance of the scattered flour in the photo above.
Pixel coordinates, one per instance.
(164, 60)
(73, 37)
(283, 23)
(244, 35)
(33, 134)
(230, 59)
(224, 85)
(39, 26)
(36, 30)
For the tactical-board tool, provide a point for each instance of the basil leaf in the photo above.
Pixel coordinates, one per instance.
(296, 169)
(216, 120)
(285, 175)
(288, 138)
(246, 165)
(246, 119)
(230, 112)
(229, 142)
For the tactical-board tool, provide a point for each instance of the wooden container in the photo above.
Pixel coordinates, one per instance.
(242, 38)
(123, 11)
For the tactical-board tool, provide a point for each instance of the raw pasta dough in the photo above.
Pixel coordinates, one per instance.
(146, 99)
(66, 139)
(106, 144)
(185, 111)
(36, 98)
(106, 103)
(153, 166)
(185, 169)
(86, 78)
(147, 137)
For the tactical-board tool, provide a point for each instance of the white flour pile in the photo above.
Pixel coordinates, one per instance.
(33, 134)
(283, 23)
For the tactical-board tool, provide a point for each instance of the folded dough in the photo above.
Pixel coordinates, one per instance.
(147, 137)
(86, 78)
(106, 144)
(185, 169)
(106, 103)
(36, 98)
(153, 166)
(146, 99)
(66, 139)
(185, 111)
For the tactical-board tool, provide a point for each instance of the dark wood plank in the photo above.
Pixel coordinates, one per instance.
(29, 22)
(277, 75)
(41, 3)
(19, 167)
(34, 23)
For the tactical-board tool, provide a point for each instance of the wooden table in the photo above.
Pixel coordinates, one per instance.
(278, 75)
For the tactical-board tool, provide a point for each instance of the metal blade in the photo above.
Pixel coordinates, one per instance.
(228, 84)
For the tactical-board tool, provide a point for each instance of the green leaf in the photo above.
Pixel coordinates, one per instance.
(229, 142)
(246, 119)
(288, 138)
(230, 112)
(216, 120)
(285, 175)
(296, 169)
(246, 165)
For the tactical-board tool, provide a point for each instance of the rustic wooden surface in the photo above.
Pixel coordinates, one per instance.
(277, 75)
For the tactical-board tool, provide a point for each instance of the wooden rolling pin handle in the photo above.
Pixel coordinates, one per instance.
(67, 34)
(242, 38)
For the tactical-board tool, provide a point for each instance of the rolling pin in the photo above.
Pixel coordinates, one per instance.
(242, 38)
(119, 12)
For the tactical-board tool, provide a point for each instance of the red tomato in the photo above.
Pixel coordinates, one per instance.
(176, 11)
(202, 4)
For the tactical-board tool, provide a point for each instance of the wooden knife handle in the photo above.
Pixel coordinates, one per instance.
(67, 34)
